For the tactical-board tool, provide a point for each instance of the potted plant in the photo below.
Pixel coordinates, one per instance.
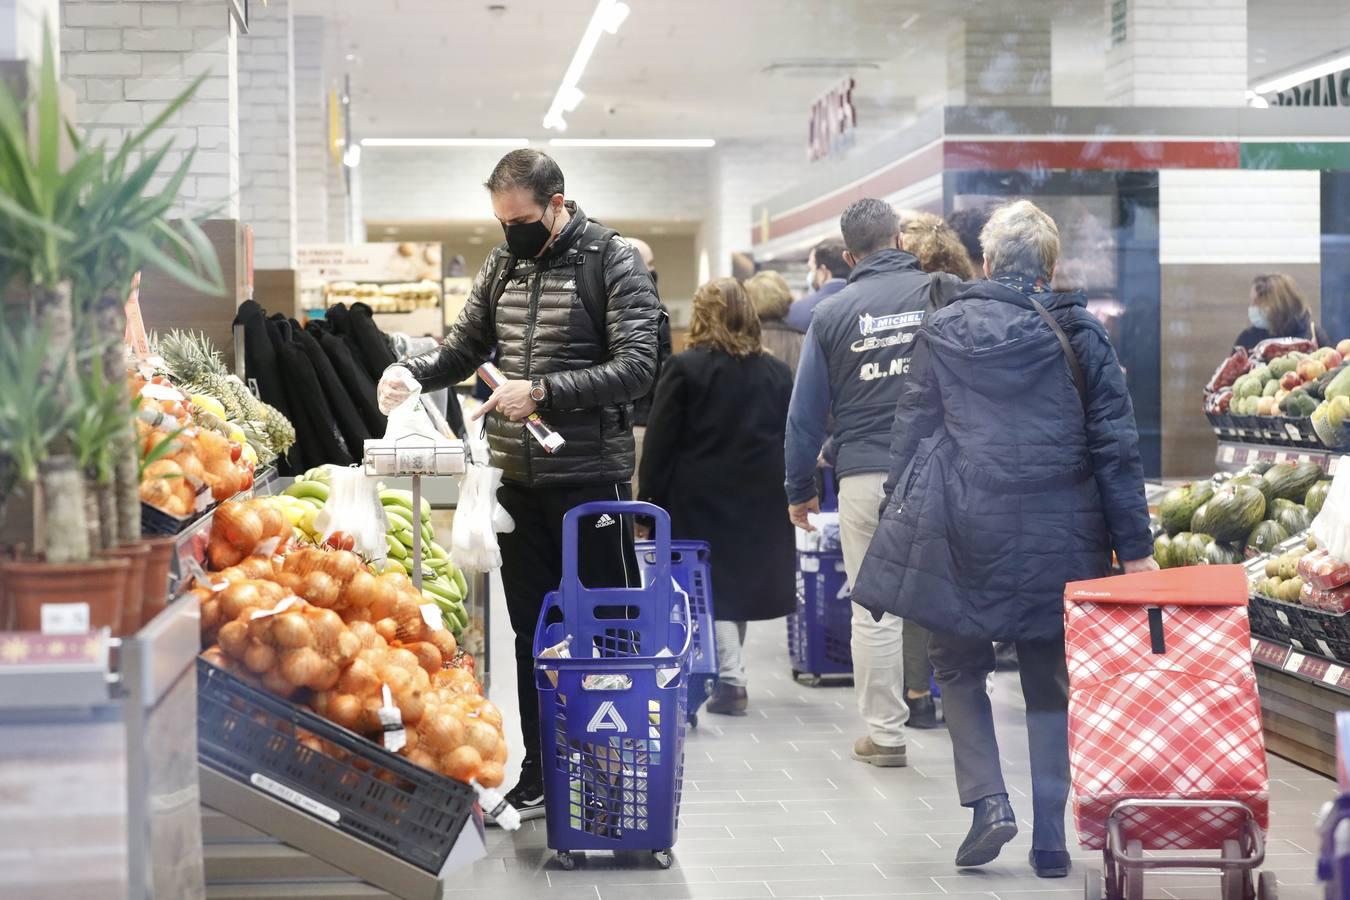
(70, 240)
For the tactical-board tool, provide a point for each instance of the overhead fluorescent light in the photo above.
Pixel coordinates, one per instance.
(445, 142)
(351, 157)
(608, 16)
(649, 143)
(1326, 65)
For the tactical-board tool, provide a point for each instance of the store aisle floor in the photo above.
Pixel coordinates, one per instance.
(774, 807)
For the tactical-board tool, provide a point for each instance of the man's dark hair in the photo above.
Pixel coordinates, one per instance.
(869, 225)
(968, 223)
(830, 254)
(527, 168)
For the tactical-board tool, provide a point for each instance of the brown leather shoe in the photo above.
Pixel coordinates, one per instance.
(728, 701)
(864, 750)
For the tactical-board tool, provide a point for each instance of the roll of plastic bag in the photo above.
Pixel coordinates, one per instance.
(478, 518)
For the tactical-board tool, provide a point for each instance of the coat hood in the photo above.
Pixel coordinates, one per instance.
(988, 318)
(883, 261)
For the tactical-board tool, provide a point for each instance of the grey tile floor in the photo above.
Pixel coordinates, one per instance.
(775, 807)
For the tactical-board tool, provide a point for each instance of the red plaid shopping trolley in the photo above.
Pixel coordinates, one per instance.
(1165, 743)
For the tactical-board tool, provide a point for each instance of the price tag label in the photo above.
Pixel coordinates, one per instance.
(65, 618)
(1284, 620)
(1294, 662)
(1333, 675)
(1255, 644)
(391, 717)
(1229, 454)
(1292, 430)
(1281, 458)
(431, 614)
(1325, 648)
(279, 608)
(1303, 458)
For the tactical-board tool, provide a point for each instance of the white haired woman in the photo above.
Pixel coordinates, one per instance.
(1015, 468)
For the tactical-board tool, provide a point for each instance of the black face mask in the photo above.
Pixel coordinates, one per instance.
(528, 239)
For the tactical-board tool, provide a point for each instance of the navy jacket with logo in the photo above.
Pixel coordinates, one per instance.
(854, 365)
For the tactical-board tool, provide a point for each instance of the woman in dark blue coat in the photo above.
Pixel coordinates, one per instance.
(1014, 469)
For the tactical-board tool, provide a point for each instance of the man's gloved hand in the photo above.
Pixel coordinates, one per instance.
(396, 385)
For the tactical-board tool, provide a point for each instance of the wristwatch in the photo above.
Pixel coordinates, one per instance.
(539, 391)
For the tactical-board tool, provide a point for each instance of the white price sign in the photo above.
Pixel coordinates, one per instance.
(1333, 675)
(1281, 458)
(65, 618)
(1294, 662)
(1229, 454)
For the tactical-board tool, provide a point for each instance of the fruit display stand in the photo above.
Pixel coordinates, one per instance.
(98, 745)
(1234, 455)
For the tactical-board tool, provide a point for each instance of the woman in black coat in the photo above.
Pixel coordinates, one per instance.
(1014, 469)
(713, 458)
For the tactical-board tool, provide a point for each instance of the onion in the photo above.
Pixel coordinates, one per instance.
(277, 683)
(320, 589)
(499, 756)
(290, 581)
(348, 645)
(359, 679)
(410, 703)
(360, 591)
(489, 713)
(342, 565)
(259, 658)
(256, 567)
(271, 519)
(290, 631)
(365, 633)
(462, 763)
(387, 629)
(491, 773)
(444, 641)
(271, 592)
(237, 598)
(482, 737)
(301, 667)
(327, 627)
(221, 555)
(422, 758)
(428, 656)
(233, 638)
(441, 730)
(404, 659)
(399, 581)
(216, 657)
(398, 679)
(210, 614)
(239, 525)
(327, 678)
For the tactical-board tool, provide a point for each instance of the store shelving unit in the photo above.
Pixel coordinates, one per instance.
(1233, 455)
(1300, 695)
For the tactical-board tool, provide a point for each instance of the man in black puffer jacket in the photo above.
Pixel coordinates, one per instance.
(580, 360)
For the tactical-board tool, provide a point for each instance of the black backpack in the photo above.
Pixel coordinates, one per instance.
(589, 259)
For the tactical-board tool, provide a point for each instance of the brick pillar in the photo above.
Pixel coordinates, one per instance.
(267, 171)
(998, 63)
(21, 27)
(311, 132)
(1176, 52)
(126, 61)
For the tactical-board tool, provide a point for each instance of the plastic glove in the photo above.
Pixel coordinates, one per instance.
(396, 385)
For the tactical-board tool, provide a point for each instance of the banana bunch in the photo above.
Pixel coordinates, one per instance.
(442, 583)
(302, 502)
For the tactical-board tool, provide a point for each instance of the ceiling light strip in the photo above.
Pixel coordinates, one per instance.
(1326, 65)
(608, 16)
(636, 143)
(445, 142)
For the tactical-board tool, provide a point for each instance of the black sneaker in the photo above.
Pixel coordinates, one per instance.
(922, 712)
(527, 796)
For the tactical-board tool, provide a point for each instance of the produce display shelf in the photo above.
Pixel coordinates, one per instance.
(1300, 695)
(1234, 455)
(1318, 670)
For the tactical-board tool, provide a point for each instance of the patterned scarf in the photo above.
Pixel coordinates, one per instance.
(1023, 284)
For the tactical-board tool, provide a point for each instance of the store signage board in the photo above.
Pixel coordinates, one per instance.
(834, 122)
(1329, 90)
(319, 264)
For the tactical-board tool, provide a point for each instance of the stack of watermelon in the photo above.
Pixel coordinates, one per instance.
(1224, 519)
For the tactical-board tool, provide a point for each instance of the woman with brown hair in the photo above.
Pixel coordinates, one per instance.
(938, 246)
(771, 297)
(1278, 309)
(713, 459)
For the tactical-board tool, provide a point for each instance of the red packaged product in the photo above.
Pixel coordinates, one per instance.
(1323, 572)
(1270, 348)
(1336, 600)
(1229, 370)
(1219, 403)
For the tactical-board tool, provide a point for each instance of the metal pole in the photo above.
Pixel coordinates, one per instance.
(417, 532)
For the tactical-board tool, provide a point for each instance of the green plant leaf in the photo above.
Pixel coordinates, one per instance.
(152, 254)
(160, 120)
(32, 220)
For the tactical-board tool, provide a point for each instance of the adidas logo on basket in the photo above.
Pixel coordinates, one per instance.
(604, 521)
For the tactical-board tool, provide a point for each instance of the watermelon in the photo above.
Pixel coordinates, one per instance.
(1231, 513)
(1193, 549)
(1179, 505)
(1277, 506)
(1317, 497)
(1250, 479)
(1339, 386)
(1217, 554)
(1260, 467)
(1295, 520)
(1291, 481)
(1162, 551)
(1265, 537)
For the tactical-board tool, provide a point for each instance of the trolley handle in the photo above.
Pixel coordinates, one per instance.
(571, 585)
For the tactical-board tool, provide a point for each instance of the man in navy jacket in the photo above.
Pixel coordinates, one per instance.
(826, 275)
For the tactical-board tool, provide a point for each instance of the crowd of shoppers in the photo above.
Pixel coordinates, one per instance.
(982, 437)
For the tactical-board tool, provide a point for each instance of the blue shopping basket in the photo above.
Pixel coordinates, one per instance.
(820, 632)
(691, 566)
(612, 715)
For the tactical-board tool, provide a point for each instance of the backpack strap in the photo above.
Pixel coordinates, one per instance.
(506, 264)
(1075, 366)
(590, 277)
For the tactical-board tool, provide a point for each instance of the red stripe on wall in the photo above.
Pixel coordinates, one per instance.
(895, 177)
(1009, 155)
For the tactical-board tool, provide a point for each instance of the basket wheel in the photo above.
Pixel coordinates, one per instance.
(1234, 882)
(664, 858)
(796, 673)
(1092, 885)
(567, 861)
(1133, 876)
(693, 720)
(1267, 888)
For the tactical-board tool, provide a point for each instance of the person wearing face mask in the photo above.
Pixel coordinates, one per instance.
(826, 275)
(572, 313)
(1277, 309)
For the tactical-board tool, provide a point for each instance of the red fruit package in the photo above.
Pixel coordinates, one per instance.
(1323, 572)
(1274, 347)
(1219, 403)
(1229, 370)
(1333, 601)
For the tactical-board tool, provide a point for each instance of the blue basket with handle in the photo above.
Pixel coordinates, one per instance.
(691, 567)
(612, 713)
(820, 632)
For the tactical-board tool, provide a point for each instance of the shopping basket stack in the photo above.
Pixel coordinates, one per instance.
(610, 668)
(691, 567)
(820, 632)
(1165, 740)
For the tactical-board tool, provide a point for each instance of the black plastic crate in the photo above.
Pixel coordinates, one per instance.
(157, 522)
(375, 796)
(1314, 630)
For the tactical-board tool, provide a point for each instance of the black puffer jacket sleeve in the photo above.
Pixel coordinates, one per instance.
(469, 343)
(631, 318)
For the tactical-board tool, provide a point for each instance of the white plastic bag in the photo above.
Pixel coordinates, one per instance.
(354, 507)
(478, 519)
(1332, 525)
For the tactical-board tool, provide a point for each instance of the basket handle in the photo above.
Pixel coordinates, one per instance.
(571, 585)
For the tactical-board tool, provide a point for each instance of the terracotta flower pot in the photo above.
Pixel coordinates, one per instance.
(98, 586)
(137, 555)
(157, 569)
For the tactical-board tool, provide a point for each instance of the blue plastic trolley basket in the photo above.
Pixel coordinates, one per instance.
(691, 566)
(612, 712)
(819, 633)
